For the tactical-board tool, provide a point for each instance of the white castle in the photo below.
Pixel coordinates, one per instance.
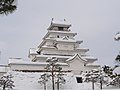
(59, 42)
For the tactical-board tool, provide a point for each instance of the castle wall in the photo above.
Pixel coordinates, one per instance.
(60, 35)
(26, 67)
(62, 46)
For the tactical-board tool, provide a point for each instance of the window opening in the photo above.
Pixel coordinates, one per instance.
(58, 36)
(60, 28)
(79, 79)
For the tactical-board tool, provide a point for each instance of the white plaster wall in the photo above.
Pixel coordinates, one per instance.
(49, 43)
(52, 35)
(33, 67)
(26, 67)
(91, 68)
(61, 52)
(55, 28)
(81, 53)
(76, 45)
(76, 65)
(61, 35)
(62, 46)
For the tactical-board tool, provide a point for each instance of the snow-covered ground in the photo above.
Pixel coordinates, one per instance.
(29, 81)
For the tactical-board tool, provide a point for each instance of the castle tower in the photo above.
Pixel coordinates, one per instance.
(60, 42)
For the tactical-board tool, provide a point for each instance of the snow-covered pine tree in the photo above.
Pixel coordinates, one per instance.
(43, 79)
(108, 70)
(117, 38)
(55, 69)
(96, 76)
(7, 6)
(59, 77)
(6, 82)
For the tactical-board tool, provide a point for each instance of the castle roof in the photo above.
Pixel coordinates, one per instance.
(55, 23)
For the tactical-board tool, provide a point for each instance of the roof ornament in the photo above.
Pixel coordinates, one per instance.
(52, 21)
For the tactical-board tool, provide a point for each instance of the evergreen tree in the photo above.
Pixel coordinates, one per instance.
(55, 71)
(7, 6)
(6, 82)
(117, 38)
(43, 79)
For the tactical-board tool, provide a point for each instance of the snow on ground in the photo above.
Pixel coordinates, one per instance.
(29, 81)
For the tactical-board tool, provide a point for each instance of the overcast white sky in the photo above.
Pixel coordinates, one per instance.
(95, 21)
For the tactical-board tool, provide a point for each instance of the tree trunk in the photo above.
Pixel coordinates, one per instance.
(100, 84)
(45, 86)
(58, 84)
(53, 86)
(4, 87)
(92, 83)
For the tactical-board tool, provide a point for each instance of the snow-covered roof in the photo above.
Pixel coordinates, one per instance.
(117, 70)
(92, 65)
(59, 32)
(76, 55)
(82, 49)
(23, 62)
(50, 47)
(64, 22)
(59, 23)
(64, 39)
(90, 58)
(45, 56)
(42, 43)
(32, 51)
(62, 32)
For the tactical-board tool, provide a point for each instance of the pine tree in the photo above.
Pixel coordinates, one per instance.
(117, 38)
(59, 80)
(55, 71)
(7, 6)
(6, 82)
(44, 79)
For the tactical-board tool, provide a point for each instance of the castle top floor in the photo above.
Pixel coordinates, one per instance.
(59, 26)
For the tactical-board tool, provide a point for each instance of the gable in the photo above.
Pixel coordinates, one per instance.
(76, 65)
(65, 38)
(76, 62)
(76, 57)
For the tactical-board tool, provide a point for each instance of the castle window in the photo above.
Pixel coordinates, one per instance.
(60, 28)
(68, 36)
(79, 79)
(58, 36)
(85, 64)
